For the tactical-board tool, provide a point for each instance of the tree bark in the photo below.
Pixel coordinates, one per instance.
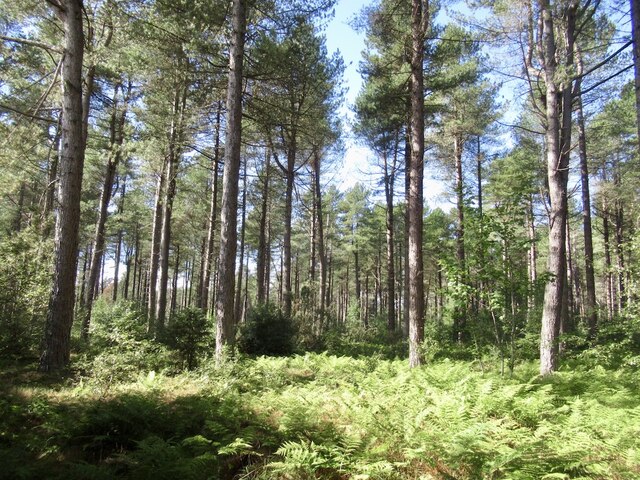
(238, 300)
(419, 22)
(461, 309)
(263, 244)
(115, 143)
(116, 271)
(154, 254)
(57, 334)
(619, 234)
(225, 333)
(52, 179)
(608, 266)
(175, 137)
(405, 272)
(174, 282)
(389, 181)
(590, 300)
(532, 258)
(558, 99)
(202, 298)
(322, 258)
(288, 219)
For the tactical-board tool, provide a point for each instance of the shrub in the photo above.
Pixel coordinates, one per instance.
(24, 292)
(267, 331)
(356, 340)
(188, 332)
(119, 349)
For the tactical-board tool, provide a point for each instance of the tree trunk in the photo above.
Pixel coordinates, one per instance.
(238, 300)
(154, 257)
(174, 283)
(482, 242)
(322, 258)
(83, 279)
(128, 258)
(461, 307)
(225, 333)
(288, 218)
(356, 271)
(590, 300)
(52, 179)
(116, 271)
(405, 272)
(202, 298)
(608, 266)
(174, 153)
(115, 143)
(558, 99)
(419, 22)
(263, 244)
(532, 258)
(389, 180)
(619, 233)
(57, 333)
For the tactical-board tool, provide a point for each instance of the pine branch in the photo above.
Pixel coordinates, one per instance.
(33, 43)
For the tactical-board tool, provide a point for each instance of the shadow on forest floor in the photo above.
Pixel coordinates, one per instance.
(48, 429)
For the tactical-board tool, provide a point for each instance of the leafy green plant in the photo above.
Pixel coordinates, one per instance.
(24, 292)
(267, 331)
(189, 333)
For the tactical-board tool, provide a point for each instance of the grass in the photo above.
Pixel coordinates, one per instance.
(322, 416)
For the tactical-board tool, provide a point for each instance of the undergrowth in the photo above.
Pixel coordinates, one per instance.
(325, 417)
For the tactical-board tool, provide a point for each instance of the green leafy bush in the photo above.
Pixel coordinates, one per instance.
(25, 283)
(120, 350)
(189, 333)
(267, 331)
(356, 340)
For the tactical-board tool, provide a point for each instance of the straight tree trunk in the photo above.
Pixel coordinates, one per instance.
(419, 22)
(461, 309)
(288, 218)
(267, 264)
(481, 243)
(57, 333)
(83, 280)
(608, 266)
(174, 153)
(52, 179)
(263, 244)
(128, 258)
(558, 100)
(174, 283)
(238, 300)
(532, 257)
(322, 258)
(356, 271)
(405, 272)
(389, 182)
(225, 333)
(590, 299)
(116, 271)
(115, 143)
(154, 254)
(619, 233)
(202, 299)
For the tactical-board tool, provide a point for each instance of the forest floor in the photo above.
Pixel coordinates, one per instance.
(321, 416)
